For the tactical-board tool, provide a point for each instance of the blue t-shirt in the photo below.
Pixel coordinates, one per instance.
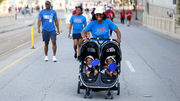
(78, 22)
(100, 30)
(48, 19)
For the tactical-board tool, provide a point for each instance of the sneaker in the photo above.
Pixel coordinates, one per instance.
(78, 58)
(46, 58)
(54, 59)
(75, 55)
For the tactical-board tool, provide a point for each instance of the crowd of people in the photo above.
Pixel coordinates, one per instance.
(98, 23)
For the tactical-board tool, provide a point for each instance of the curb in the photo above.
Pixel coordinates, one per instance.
(17, 28)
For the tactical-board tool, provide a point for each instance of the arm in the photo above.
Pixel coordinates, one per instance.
(39, 24)
(57, 25)
(113, 15)
(118, 40)
(85, 25)
(84, 35)
(70, 27)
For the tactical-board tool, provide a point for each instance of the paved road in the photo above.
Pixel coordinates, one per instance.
(150, 71)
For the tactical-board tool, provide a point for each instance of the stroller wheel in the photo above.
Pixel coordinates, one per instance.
(118, 89)
(111, 96)
(90, 96)
(78, 88)
(88, 93)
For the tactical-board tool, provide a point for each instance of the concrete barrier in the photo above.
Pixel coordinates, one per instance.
(6, 20)
(164, 25)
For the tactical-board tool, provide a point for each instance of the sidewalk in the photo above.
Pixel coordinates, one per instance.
(139, 21)
(21, 22)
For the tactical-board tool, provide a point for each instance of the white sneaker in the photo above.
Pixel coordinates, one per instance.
(46, 58)
(54, 59)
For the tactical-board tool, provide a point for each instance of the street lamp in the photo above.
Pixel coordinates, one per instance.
(136, 9)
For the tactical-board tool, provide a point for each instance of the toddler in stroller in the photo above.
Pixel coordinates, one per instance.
(88, 68)
(108, 61)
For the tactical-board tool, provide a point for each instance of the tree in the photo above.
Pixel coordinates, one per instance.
(178, 6)
(1, 1)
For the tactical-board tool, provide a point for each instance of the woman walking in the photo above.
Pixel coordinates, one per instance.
(77, 21)
(100, 27)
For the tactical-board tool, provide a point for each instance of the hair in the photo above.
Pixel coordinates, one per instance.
(94, 17)
(86, 9)
(79, 7)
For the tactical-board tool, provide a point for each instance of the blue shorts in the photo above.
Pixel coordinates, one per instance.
(48, 34)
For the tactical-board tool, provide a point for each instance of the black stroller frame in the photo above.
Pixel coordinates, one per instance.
(100, 81)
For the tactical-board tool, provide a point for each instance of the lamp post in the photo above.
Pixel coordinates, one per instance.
(136, 9)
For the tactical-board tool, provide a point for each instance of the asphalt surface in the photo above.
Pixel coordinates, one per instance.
(150, 70)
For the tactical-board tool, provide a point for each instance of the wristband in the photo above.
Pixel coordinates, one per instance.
(85, 38)
(119, 39)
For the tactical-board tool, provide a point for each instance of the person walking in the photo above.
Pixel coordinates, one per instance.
(75, 12)
(88, 19)
(110, 15)
(77, 21)
(128, 13)
(48, 17)
(122, 15)
(100, 27)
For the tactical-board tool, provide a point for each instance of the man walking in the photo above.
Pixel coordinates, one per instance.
(128, 13)
(122, 15)
(48, 17)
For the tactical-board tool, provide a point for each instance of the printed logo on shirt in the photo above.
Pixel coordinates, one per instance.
(76, 20)
(50, 17)
(101, 31)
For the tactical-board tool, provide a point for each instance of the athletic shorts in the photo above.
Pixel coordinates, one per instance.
(48, 34)
(129, 19)
(77, 36)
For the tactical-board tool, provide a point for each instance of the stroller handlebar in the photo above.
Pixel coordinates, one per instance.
(104, 40)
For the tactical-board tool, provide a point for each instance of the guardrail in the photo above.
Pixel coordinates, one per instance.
(167, 25)
(6, 20)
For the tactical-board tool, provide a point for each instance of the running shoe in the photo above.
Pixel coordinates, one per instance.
(75, 55)
(46, 58)
(54, 59)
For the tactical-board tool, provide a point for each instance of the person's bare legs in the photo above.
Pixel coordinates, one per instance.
(46, 48)
(95, 72)
(54, 47)
(79, 45)
(75, 47)
(88, 73)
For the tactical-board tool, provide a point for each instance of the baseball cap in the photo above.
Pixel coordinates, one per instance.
(99, 10)
(110, 57)
(48, 2)
(91, 57)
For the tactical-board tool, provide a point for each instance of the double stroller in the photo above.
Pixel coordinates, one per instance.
(100, 81)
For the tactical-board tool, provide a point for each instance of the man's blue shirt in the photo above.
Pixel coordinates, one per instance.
(100, 30)
(78, 22)
(48, 19)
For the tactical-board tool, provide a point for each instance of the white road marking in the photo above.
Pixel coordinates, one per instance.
(130, 66)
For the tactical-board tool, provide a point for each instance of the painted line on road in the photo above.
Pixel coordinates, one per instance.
(130, 66)
(26, 55)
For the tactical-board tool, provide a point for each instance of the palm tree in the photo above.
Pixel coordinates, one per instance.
(1, 1)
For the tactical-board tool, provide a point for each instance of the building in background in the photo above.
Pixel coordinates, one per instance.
(161, 8)
(163, 16)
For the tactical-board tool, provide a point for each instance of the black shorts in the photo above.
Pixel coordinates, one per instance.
(77, 36)
(129, 19)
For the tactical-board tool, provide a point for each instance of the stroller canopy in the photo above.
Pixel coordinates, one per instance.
(89, 48)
